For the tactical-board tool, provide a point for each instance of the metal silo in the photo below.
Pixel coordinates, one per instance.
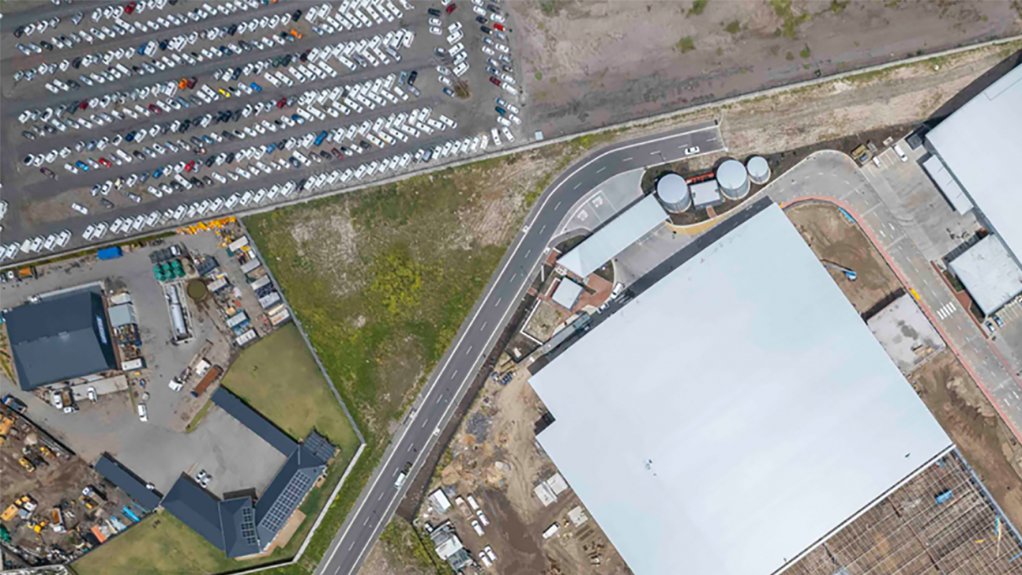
(733, 179)
(672, 190)
(759, 170)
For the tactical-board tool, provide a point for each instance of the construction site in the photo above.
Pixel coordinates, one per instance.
(941, 521)
(55, 506)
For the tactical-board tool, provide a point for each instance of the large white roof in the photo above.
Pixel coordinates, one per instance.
(624, 230)
(990, 274)
(731, 437)
(981, 144)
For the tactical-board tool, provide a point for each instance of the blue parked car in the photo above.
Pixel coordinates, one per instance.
(158, 172)
(320, 137)
(270, 148)
(256, 87)
(82, 166)
(298, 119)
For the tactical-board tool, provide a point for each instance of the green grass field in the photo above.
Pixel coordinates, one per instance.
(280, 379)
(159, 545)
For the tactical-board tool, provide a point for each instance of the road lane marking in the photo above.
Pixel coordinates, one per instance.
(557, 205)
(520, 240)
(628, 159)
(601, 169)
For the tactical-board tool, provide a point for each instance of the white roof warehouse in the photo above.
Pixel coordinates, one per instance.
(732, 438)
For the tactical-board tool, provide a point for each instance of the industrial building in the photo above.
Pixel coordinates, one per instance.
(606, 242)
(58, 338)
(736, 413)
(240, 524)
(733, 180)
(974, 151)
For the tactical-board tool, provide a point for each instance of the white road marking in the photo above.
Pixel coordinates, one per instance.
(601, 169)
(628, 159)
(329, 559)
(557, 205)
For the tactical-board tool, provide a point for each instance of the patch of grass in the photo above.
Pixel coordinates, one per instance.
(697, 7)
(538, 75)
(686, 44)
(550, 7)
(805, 52)
(159, 544)
(790, 21)
(199, 416)
(733, 27)
(838, 6)
(402, 544)
(280, 379)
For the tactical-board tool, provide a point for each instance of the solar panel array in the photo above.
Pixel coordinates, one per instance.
(288, 501)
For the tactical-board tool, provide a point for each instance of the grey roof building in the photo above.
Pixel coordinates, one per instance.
(242, 526)
(625, 229)
(990, 274)
(127, 481)
(60, 338)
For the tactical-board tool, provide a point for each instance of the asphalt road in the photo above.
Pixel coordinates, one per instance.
(459, 366)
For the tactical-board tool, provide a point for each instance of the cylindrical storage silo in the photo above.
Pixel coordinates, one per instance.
(672, 190)
(759, 170)
(733, 179)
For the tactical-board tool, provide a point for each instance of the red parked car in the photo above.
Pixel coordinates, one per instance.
(282, 102)
(130, 7)
(105, 162)
(190, 166)
(498, 26)
(495, 80)
(450, 7)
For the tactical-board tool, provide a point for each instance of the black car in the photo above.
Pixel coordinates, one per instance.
(481, 19)
(210, 161)
(296, 15)
(485, 29)
(412, 76)
(28, 135)
(433, 12)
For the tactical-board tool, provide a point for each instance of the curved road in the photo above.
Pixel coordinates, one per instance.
(462, 361)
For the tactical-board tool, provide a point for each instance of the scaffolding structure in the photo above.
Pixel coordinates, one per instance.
(943, 521)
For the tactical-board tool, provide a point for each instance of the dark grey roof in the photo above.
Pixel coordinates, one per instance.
(60, 338)
(196, 508)
(286, 491)
(319, 446)
(253, 420)
(128, 482)
(237, 521)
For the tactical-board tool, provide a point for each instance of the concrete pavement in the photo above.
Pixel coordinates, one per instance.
(459, 366)
(833, 176)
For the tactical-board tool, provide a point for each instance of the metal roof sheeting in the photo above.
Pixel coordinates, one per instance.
(990, 274)
(254, 420)
(608, 241)
(954, 193)
(59, 338)
(127, 481)
(567, 293)
(981, 144)
(743, 433)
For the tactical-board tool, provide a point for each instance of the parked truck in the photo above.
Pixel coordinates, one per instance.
(207, 380)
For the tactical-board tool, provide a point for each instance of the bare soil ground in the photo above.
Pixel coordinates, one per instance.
(589, 63)
(970, 420)
(494, 456)
(834, 239)
(544, 320)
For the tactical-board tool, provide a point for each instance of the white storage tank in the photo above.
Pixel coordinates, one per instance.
(673, 192)
(733, 179)
(759, 170)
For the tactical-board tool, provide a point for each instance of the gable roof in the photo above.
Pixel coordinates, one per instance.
(237, 521)
(59, 338)
(611, 239)
(196, 508)
(287, 490)
(127, 481)
(319, 446)
(253, 420)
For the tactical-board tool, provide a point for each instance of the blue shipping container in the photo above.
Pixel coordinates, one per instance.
(110, 253)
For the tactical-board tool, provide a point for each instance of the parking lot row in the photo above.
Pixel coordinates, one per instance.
(219, 205)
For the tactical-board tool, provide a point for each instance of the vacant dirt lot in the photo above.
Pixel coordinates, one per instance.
(836, 240)
(970, 420)
(589, 63)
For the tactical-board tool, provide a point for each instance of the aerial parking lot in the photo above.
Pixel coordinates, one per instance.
(124, 118)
